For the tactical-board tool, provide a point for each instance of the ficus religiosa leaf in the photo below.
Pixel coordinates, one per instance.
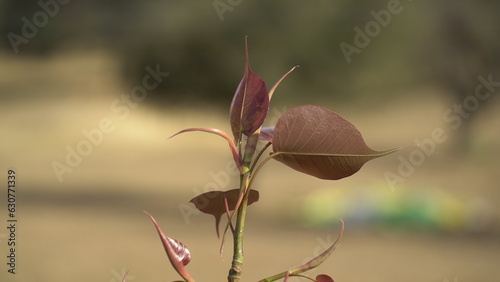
(316, 141)
(250, 103)
(218, 203)
(178, 254)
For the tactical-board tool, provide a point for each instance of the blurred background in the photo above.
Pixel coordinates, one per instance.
(91, 90)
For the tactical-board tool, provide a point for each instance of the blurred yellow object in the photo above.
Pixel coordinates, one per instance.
(415, 208)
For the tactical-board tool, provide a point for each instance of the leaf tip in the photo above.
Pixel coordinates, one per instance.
(247, 56)
(415, 146)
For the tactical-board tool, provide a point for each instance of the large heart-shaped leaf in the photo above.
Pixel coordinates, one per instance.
(217, 203)
(250, 103)
(319, 142)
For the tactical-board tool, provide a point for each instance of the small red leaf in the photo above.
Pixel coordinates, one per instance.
(214, 203)
(250, 103)
(324, 278)
(180, 250)
(178, 254)
(319, 142)
(266, 133)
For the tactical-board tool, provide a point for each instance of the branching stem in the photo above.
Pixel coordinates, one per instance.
(236, 265)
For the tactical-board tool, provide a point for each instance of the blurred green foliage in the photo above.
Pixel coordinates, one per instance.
(204, 52)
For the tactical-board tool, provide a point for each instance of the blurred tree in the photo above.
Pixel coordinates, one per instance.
(460, 54)
(205, 55)
(48, 25)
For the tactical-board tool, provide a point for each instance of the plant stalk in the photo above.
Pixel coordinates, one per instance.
(237, 263)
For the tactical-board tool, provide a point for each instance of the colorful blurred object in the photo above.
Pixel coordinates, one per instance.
(408, 208)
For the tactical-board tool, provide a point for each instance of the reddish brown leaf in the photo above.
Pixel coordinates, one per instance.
(214, 202)
(250, 103)
(324, 278)
(319, 142)
(178, 254)
(266, 134)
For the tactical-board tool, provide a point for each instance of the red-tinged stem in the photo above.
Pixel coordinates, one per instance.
(259, 155)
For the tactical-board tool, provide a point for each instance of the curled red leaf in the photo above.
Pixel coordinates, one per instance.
(178, 254)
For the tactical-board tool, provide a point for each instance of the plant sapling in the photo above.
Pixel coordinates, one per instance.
(309, 139)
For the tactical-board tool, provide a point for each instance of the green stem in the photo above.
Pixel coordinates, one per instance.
(245, 186)
(236, 265)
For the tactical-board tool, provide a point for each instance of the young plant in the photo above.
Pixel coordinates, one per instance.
(309, 139)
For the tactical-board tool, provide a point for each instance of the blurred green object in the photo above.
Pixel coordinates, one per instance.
(408, 208)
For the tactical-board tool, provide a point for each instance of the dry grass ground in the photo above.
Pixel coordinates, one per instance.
(90, 226)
